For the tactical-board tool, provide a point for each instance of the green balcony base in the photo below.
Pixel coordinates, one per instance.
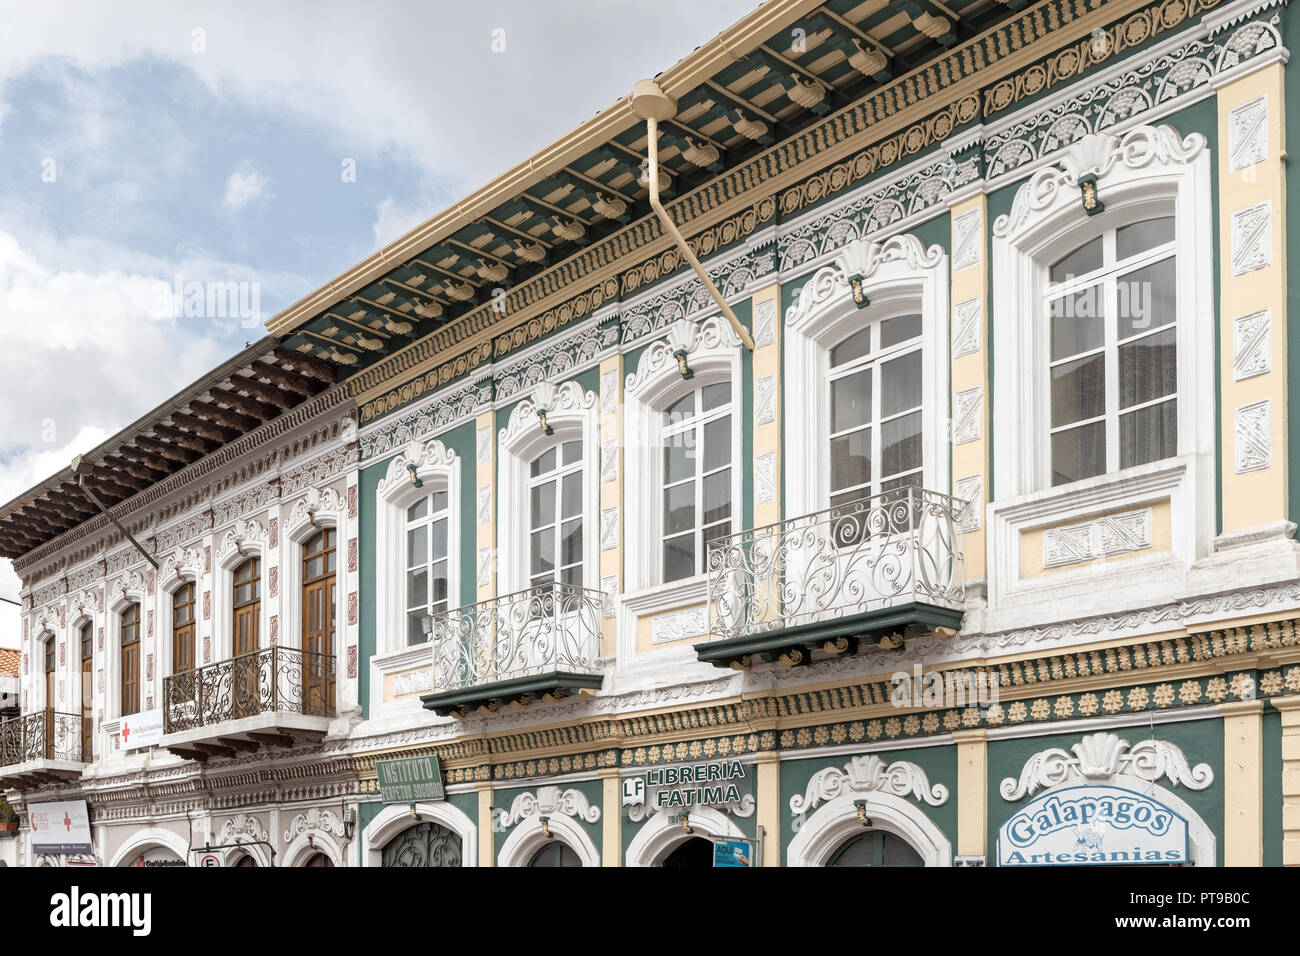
(518, 693)
(843, 635)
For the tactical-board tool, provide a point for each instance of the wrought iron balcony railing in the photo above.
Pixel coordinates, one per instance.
(545, 629)
(269, 680)
(877, 552)
(44, 735)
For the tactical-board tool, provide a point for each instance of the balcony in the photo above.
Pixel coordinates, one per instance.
(41, 748)
(870, 572)
(274, 696)
(542, 643)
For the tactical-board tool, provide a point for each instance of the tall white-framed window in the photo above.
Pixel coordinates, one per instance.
(1113, 351)
(697, 478)
(869, 386)
(555, 515)
(875, 396)
(428, 561)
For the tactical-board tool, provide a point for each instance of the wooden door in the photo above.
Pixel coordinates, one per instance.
(130, 683)
(49, 699)
(245, 698)
(318, 613)
(87, 691)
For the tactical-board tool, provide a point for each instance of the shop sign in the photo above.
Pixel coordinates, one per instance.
(729, 852)
(1092, 825)
(144, 729)
(678, 788)
(60, 828)
(410, 779)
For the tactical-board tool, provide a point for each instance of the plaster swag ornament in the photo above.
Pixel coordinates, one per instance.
(315, 820)
(866, 774)
(244, 825)
(316, 503)
(859, 259)
(424, 456)
(685, 338)
(246, 532)
(1100, 756)
(547, 802)
(181, 563)
(568, 397)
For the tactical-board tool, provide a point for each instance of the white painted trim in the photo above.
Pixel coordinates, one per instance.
(526, 838)
(142, 840)
(836, 821)
(308, 844)
(660, 834)
(392, 820)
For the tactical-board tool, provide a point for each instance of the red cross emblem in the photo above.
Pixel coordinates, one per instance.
(126, 733)
(67, 822)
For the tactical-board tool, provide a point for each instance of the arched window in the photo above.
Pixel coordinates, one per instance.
(697, 478)
(319, 860)
(87, 635)
(875, 848)
(246, 861)
(875, 409)
(247, 606)
(130, 682)
(183, 628)
(555, 502)
(423, 845)
(428, 544)
(318, 587)
(1113, 365)
(556, 853)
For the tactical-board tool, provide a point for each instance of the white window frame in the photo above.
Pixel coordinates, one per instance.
(899, 276)
(246, 540)
(1144, 173)
(556, 477)
(575, 415)
(322, 509)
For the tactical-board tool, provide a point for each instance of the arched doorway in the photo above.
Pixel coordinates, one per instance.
(875, 848)
(425, 844)
(245, 861)
(556, 853)
(319, 860)
(691, 854)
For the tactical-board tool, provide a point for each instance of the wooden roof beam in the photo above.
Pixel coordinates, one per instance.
(230, 418)
(288, 381)
(217, 433)
(242, 403)
(180, 454)
(306, 365)
(186, 439)
(268, 393)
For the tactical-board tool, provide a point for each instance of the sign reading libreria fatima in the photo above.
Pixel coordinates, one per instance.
(409, 779)
(1097, 825)
(712, 784)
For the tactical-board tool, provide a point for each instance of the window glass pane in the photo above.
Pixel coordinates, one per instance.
(900, 444)
(417, 588)
(243, 593)
(312, 569)
(1141, 236)
(439, 501)
(715, 396)
(678, 459)
(851, 400)
(439, 538)
(855, 346)
(438, 593)
(543, 504)
(417, 547)
(681, 409)
(415, 628)
(571, 542)
(571, 495)
(679, 507)
(899, 329)
(717, 443)
(571, 452)
(542, 552)
(679, 557)
(1148, 434)
(900, 384)
(851, 459)
(1079, 262)
(1148, 368)
(714, 532)
(330, 561)
(717, 496)
(1078, 389)
(900, 481)
(418, 510)
(544, 462)
(1078, 322)
(572, 575)
(1147, 298)
(1078, 453)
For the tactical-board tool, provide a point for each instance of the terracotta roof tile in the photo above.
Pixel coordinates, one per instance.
(10, 659)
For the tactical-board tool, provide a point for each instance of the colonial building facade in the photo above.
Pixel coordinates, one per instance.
(947, 523)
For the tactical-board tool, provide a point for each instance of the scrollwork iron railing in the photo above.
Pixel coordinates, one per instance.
(551, 627)
(44, 735)
(269, 680)
(876, 552)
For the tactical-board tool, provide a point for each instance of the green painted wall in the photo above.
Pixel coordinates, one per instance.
(1272, 784)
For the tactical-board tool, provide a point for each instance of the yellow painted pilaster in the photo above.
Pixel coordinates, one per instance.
(972, 792)
(486, 844)
(1243, 783)
(485, 477)
(767, 813)
(968, 335)
(1252, 267)
(767, 409)
(611, 487)
(611, 839)
(1290, 710)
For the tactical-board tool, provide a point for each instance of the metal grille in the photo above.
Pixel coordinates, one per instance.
(271, 680)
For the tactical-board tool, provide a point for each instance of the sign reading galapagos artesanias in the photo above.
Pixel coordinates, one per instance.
(409, 779)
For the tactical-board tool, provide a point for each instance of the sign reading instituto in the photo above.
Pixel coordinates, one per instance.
(409, 779)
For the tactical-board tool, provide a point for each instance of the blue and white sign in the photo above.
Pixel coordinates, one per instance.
(1092, 825)
(727, 852)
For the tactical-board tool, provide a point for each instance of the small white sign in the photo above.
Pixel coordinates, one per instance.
(60, 828)
(209, 860)
(144, 729)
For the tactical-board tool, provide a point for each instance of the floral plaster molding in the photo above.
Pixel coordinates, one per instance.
(859, 259)
(1098, 757)
(314, 820)
(865, 774)
(549, 801)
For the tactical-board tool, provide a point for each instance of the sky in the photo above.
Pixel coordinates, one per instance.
(146, 147)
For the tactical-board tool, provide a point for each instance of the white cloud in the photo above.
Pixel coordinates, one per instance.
(393, 219)
(242, 188)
